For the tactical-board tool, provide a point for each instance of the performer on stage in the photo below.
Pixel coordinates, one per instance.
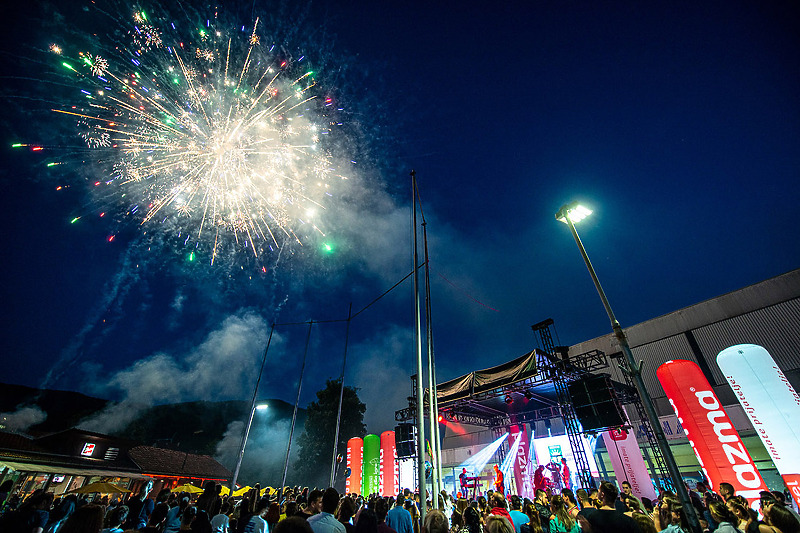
(462, 478)
(499, 486)
(538, 478)
(565, 474)
(555, 475)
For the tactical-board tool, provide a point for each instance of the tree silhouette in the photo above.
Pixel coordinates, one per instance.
(313, 465)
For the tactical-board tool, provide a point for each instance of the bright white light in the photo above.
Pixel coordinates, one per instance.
(575, 212)
(262, 406)
(478, 462)
(511, 456)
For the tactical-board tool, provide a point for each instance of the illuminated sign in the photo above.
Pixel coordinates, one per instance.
(389, 473)
(715, 442)
(626, 458)
(771, 404)
(88, 449)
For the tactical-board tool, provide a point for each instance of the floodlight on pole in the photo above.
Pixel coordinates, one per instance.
(262, 407)
(570, 214)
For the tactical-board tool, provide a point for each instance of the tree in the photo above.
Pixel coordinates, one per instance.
(313, 465)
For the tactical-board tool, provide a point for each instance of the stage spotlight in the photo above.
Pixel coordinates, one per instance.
(509, 399)
(441, 419)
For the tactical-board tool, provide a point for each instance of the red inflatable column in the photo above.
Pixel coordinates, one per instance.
(388, 484)
(355, 457)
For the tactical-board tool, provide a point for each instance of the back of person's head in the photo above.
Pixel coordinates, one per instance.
(367, 521)
(330, 500)
(608, 492)
(292, 524)
(778, 516)
(515, 502)
(720, 513)
(645, 523)
(118, 516)
(498, 524)
(497, 500)
(582, 496)
(381, 510)
(291, 508)
(436, 522)
(86, 519)
(261, 505)
(188, 515)
(347, 509)
(273, 513)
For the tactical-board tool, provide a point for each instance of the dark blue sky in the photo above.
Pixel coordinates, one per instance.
(679, 124)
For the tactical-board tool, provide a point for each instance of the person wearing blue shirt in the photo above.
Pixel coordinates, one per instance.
(399, 518)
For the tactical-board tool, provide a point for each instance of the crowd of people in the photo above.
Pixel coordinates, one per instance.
(294, 510)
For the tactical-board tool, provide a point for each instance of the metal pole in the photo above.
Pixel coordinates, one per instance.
(635, 373)
(418, 339)
(341, 394)
(252, 412)
(294, 414)
(433, 397)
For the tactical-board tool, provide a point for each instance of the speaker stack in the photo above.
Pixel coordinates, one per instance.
(595, 402)
(406, 440)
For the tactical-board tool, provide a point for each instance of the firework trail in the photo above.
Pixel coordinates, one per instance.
(224, 141)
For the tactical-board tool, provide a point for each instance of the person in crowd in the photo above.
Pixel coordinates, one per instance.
(172, 523)
(534, 524)
(206, 500)
(314, 505)
(159, 514)
(220, 523)
(367, 521)
(498, 524)
(256, 523)
(293, 524)
(436, 522)
(324, 521)
(670, 517)
(726, 491)
(411, 506)
(778, 519)
(606, 519)
(517, 516)
(746, 517)
(539, 482)
(61, 512)
(140, 507)
(726, 521)
(780, 497)
(115, 519)
(5, 490)
(347, 508)
(399, 518)
(570, 502)
(86, 519)
(201, 522)
(472, 521)
(543, 508)
(498, 507)
(381, 512)
(273, 515)
(561, 521)
(188, 517)
(31, 516)
(645, 523)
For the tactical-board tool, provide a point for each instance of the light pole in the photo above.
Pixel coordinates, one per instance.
(569, 214)
(255, 407)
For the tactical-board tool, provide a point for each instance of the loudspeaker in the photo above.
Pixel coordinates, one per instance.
(595, 403)
(405, 440)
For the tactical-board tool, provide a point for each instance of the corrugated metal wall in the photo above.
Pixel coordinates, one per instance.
(656, 353)
(776, 328)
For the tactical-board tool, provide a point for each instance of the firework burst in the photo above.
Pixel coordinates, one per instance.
(213, 136)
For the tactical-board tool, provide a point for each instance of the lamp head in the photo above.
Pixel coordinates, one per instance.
(262, 406)
(575, 211)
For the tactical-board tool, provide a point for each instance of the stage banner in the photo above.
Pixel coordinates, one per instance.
(389, 471)
(355, 457)
(771, 404)
(715, 442)
(626, 458)
(372, 445)
(522, 475)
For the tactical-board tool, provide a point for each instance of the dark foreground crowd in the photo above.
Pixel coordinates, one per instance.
(603, 510)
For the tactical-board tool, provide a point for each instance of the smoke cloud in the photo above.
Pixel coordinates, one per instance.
(219, 368)
(24, 417)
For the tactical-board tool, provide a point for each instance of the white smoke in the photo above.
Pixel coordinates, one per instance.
(220, 368)
(265, 454)
(24, 417)
(382, 360)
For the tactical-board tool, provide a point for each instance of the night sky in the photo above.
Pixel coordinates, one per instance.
(678, 123)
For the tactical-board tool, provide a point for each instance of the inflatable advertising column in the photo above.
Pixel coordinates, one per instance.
(715, 442)
(389, 472)
(355, 456)
(771, 404)
(372, 445)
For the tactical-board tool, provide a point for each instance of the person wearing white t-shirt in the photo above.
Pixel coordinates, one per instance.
(220, 523)
(257, 524)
